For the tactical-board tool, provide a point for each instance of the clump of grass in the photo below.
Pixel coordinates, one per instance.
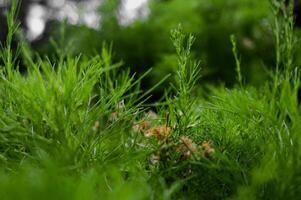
(276, 176)
(81, 123)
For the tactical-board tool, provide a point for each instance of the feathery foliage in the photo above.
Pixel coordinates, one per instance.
(79, 128)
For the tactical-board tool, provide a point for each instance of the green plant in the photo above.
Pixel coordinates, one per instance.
(187, 75)
(78, 127)
(237, 60)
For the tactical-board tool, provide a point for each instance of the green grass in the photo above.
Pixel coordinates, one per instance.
(79, 128)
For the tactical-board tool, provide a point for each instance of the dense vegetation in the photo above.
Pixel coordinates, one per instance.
(81, 127)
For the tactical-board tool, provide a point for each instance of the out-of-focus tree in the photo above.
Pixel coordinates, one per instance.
(145, 42)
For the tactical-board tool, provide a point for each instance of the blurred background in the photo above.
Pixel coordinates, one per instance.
(139, 33)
